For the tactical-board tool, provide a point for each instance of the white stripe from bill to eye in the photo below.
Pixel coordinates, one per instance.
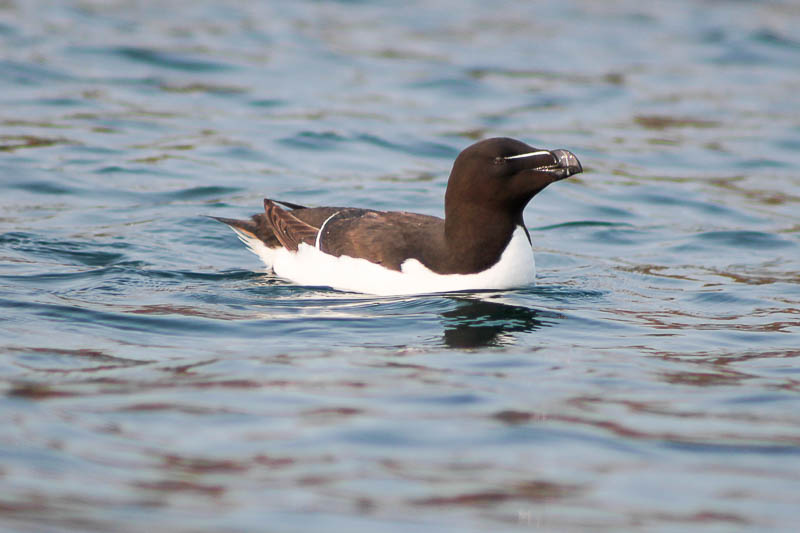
(529, 154)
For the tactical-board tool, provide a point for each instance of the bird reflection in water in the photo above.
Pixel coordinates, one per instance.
(477, 323)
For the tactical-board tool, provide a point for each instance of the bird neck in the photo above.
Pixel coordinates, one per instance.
(476, 236)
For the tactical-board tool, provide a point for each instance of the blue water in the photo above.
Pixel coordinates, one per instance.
(153, 377)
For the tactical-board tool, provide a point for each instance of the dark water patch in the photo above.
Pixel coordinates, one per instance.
(113, 169)
(210, 194)
(671, 199)
(713, 35)
(85, 253)
(242, 153)
(63, 278)
(741, 53)
(448, 399)
(788, 143)
(760, 399)
(159, 58)
(607, 211)
(547, 100)
(15, 237)
(380, 438)
(331, 140)
(267, 286)
(618, 236)
(743, 335)
(268, 102)
(760, 163)
(230, 275)
(771, 37)
(401, 305)
(535, 434)
(582, 224)
(724, 298)
(744, 239)
(218, 204)
(143, 169)
(30, 73)
(425, 149)
(95, 319)
(100, 153)
(540, 102)
(499, 362)
(310, 140)
(553, 267)
(196, 193)
(43, 187)
(125, 267)
(61, 102)
(766, 46)
(734, 449)
(460, 87)
(563, 293)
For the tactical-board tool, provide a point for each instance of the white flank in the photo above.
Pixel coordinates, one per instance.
(255, 245)
(310, 266)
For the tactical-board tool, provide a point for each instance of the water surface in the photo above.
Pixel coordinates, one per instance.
(153, 376)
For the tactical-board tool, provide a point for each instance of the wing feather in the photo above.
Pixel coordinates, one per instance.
(289, 230)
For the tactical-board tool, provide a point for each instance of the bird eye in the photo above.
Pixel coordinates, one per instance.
(498, 160)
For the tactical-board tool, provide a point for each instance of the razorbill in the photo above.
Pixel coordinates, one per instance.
(481, 243)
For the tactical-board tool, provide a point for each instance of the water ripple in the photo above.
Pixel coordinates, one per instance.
(159, 58)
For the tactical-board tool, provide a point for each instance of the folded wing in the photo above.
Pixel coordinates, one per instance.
(289, 230)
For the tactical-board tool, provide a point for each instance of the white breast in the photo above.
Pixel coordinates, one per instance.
(310, 266)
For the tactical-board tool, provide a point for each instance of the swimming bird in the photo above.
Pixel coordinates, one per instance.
(481, 243)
